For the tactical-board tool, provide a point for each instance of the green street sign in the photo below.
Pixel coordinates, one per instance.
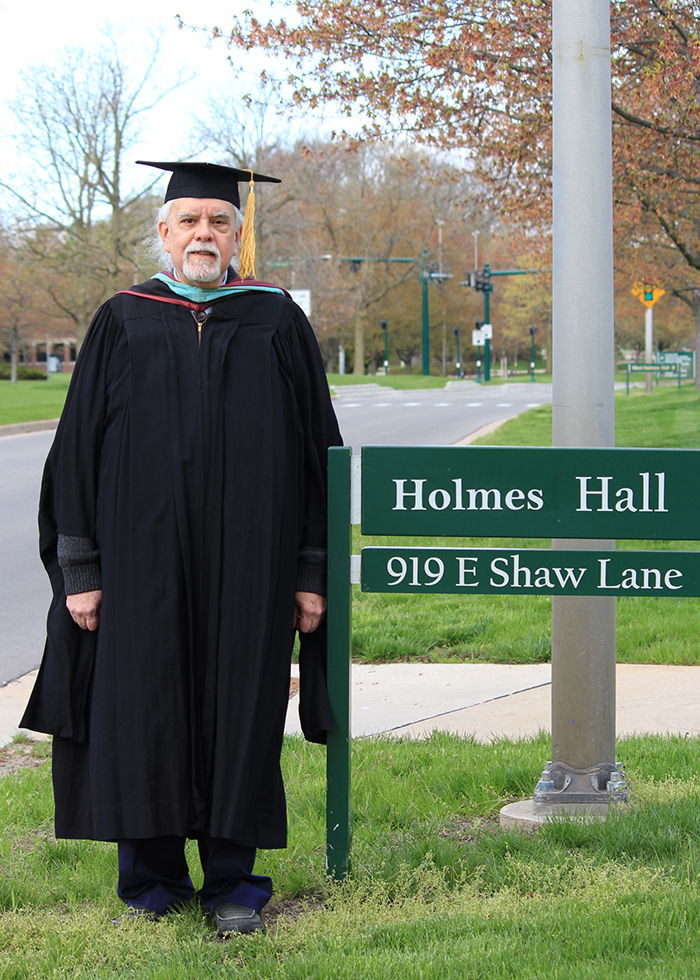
(537, 571)
(475, 491)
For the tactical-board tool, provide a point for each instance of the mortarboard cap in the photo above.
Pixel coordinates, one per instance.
(206, 180)
(211, 180)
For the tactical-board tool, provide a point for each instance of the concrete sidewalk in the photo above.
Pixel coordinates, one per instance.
(484, 700)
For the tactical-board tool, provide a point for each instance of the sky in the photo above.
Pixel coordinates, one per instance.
(40, 36)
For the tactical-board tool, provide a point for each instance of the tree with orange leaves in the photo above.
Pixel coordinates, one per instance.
(478, 77)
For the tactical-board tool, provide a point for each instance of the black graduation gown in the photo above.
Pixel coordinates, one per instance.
(199, 468)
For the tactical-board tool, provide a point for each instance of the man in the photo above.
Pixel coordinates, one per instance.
(182, 523)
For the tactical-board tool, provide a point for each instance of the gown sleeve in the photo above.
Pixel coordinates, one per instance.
(68, 504)
(321, 431)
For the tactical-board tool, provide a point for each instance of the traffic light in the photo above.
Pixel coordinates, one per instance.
(383, 325)
(481, 281)
(648, 292)
(533, 331)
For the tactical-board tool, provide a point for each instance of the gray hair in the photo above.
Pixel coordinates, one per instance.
(153, 246)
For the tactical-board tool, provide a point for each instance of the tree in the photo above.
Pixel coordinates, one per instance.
(79, 120)
(360, 223)
(479, 79)
(252, 134)
(18, 288)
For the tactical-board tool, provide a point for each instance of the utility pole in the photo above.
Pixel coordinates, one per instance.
(426, 275)
(425, 279)
(583, 629)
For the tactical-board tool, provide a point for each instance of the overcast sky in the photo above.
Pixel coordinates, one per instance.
(37, 33)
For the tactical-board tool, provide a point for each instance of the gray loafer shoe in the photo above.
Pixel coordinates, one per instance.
(236, 918)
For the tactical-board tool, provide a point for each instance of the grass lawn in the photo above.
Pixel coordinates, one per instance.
(28, 401)
(437, 890)
(398, 380)
(511, 629)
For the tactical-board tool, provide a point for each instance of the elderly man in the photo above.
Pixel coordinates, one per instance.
(182, 524)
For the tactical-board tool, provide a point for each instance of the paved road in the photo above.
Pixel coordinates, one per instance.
(371, 415)
(367, 414)
(24, 587)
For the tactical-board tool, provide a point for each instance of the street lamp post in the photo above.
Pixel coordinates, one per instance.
(488, 289)
(384, 325)
(458, 365)
(532, 354)
(425, 279)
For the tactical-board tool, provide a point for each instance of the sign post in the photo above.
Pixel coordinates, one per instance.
(648, 295)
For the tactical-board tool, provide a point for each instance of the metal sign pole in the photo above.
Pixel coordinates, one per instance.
(583, 629)
(339, 623)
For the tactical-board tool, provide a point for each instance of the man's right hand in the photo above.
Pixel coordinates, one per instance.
(84, 607)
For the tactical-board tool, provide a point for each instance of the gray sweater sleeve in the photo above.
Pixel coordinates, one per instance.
(311, 570)
(79, 559)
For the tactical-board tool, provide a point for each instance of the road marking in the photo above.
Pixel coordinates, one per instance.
(382, 404)
(474, 404)
(533, 404)
(442, 404)
(504, 405)
(349, 404)
(412, 404)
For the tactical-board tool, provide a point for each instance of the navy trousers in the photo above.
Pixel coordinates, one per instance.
(153, 873)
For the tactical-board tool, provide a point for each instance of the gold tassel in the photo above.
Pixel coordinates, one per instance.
(246, 264)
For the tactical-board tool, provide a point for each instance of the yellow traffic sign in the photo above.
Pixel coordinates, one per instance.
(647, 294)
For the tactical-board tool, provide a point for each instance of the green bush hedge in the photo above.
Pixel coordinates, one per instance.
(24, 373)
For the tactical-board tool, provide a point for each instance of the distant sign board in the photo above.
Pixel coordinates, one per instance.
(685, 359)
(302, 297)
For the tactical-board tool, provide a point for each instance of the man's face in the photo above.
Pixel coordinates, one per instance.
(201, 237)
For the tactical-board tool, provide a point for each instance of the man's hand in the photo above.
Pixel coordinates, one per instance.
(309, 611)
(84, 607)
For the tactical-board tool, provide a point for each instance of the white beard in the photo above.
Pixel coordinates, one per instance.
(202, 268)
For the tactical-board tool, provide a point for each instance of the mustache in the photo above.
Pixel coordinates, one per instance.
(207, 247)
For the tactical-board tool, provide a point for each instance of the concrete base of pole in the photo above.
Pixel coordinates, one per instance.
(528, 815)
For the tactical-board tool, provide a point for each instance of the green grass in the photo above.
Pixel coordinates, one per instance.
(398, 380)
(28, 401)
(437, 890)
(666, 419)
(511, 629)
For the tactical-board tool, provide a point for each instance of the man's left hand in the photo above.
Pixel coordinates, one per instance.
(309, 611)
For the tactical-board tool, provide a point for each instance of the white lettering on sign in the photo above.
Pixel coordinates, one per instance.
(624, 497)
(518, 577)
(507, 572)
(433, 570)
(464, 571)
(484, 497)
(417, 494)
(651, 578)
(410, 495)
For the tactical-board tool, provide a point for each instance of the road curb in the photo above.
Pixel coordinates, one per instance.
(485, 430)
(21, 428)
